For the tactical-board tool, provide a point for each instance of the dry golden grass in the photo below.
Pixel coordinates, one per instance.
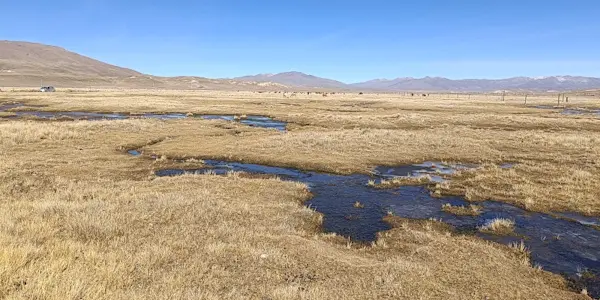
(499, 226)
(470, 210)
(344, 133)
(81, 219)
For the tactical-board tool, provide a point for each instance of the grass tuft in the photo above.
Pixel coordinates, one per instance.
(499, 226)
(400, 181)
(470, 210)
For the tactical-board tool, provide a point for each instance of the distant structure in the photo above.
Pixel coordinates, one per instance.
(47, 89)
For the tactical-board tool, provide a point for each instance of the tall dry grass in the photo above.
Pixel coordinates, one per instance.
(499, 226)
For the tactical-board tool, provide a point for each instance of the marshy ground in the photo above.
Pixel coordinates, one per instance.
(83, 219)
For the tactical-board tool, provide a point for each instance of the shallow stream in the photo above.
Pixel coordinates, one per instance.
(564, 243)
(251, 120)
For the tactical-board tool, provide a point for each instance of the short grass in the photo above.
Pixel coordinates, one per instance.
(82, 219)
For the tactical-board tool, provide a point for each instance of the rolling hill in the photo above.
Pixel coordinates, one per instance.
(25, 58)
(25, 64)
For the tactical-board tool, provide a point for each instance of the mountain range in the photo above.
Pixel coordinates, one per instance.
(540, 84)
(32, 64)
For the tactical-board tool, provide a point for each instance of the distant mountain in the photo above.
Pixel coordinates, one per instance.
(295, 79)
(557, 83)
(434, 84)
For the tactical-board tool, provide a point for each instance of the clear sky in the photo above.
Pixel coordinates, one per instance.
(345, 40)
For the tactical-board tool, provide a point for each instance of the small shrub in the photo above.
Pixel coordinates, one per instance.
(400, 181)
(357, 204)
(471, 210)
(499, 226)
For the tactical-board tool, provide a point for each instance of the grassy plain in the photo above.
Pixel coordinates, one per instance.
(81, 219)
(557, 156)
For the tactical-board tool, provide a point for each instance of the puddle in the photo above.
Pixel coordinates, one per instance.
(574, 111)
(134, 152)
(175, 116)
(78, 115)
(435, 170)
(558, 245)
(590, 221)
(252, 120)
(570, 111)
(548, 107)
(255, 121)
(71, 115)
(507, 165)
(217, 117)
(428, 167)
(5, 107)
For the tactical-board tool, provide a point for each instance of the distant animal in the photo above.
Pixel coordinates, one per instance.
(424, 95)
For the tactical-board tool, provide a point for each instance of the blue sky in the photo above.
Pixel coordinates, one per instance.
(345, 40)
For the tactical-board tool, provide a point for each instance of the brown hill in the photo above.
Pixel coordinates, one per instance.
(24, 58)
(25, 64)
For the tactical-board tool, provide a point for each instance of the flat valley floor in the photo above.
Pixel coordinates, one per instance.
(82, 219)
